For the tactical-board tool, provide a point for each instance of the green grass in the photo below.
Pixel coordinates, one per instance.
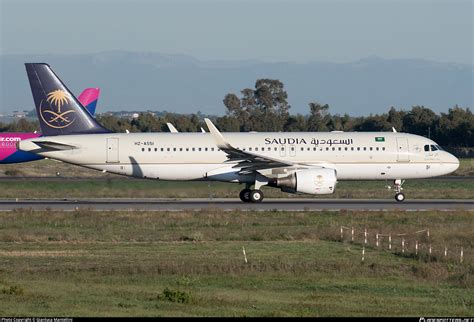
(96, 184)
(136, 188)
(100, 264)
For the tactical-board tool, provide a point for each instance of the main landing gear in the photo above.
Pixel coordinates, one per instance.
(251, 195)
(399, 196)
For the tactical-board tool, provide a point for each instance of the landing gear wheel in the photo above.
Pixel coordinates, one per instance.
(256, 196)
(245, 195)
(399, 197)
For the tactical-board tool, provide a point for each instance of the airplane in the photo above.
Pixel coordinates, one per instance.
(8, 151)
(297, 162)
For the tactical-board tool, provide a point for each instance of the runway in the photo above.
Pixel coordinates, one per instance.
(198, 204)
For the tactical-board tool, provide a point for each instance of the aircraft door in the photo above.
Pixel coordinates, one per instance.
(402, 150)
(113, 150)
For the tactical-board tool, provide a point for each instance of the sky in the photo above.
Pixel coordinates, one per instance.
(297, 31)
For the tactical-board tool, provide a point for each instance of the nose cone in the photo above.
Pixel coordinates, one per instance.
(452, 163)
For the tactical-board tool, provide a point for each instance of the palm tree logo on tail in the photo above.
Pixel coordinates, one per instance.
(54, 111)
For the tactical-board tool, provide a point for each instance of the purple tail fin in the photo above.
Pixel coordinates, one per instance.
(59, 112)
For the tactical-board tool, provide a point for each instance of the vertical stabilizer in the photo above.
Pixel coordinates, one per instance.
(59, 112)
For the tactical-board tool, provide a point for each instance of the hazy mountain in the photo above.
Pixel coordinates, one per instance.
(181, 83)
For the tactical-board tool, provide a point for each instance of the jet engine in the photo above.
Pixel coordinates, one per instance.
(310, 181)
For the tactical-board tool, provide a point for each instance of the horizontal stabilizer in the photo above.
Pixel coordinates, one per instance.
(54, 146)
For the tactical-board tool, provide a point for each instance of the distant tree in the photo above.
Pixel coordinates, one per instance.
(395, 118)
(264, 108)
(456, 128)
(319, 117)
(147, 122)
(420, 120)
(295, 123)
(23, 125)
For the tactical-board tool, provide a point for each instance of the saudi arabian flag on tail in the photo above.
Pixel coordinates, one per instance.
(379, 139)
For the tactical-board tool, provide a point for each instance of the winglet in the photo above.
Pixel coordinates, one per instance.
(393, 129)
(218, 138)
(202, 130)
(172, 128)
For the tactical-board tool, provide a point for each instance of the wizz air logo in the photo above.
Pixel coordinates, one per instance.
(55, 110)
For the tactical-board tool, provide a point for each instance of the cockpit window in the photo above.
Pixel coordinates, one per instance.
(427, 148)
(439, 148)
(434, 148)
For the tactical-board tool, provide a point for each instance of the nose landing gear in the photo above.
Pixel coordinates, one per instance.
(399, 196)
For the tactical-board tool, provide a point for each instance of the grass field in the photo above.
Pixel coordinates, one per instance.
(96, 184)
(191, 264)
(140, 188)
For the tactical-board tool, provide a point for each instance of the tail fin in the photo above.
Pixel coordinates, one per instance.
(59, 112)
(89, 98)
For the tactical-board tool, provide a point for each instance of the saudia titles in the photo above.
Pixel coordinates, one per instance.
(55, 111)
(329, 142)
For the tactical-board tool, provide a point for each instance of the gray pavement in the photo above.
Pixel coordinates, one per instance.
(269, 204)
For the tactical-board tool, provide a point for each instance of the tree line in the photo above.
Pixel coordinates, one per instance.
(265, 108)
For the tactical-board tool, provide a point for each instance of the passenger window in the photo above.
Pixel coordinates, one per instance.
(427, 148)
(187, 149)
(302, 149)
(377, 148)
(269, 148)
(256, 149)
(143, 149)
(383, 148)
(314, 149)
(339, 148)
(327, 149)
(162, 149)
(309, 149)
(283, 148)
(156, 149)
(345, 148)
(212, 149)
(352, 148)
(365, 149)
(276, 149)
(199, 149)
(205, 149)
(168, 149)
(194, 149)
(149, 149)
(370, 149)
(358, 148)
(180, 149)
(250, 149)
(174, 149)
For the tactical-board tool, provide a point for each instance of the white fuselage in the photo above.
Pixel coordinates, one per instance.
(195, 156)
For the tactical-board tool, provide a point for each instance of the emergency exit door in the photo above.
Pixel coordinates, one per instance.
(113, 150)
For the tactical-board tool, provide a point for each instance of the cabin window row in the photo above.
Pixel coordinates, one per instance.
(270, 149)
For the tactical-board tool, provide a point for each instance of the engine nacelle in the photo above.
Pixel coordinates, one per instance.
(310, 181)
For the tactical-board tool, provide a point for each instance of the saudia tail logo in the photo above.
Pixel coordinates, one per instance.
(55, 111)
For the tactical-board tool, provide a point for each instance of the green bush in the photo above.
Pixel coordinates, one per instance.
(174, 296)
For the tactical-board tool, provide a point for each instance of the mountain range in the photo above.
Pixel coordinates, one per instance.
(184, 84)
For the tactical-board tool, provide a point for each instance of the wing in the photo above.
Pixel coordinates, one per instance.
(247, 161)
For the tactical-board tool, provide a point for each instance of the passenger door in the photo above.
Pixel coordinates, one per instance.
(113, 150)
(402, 150)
